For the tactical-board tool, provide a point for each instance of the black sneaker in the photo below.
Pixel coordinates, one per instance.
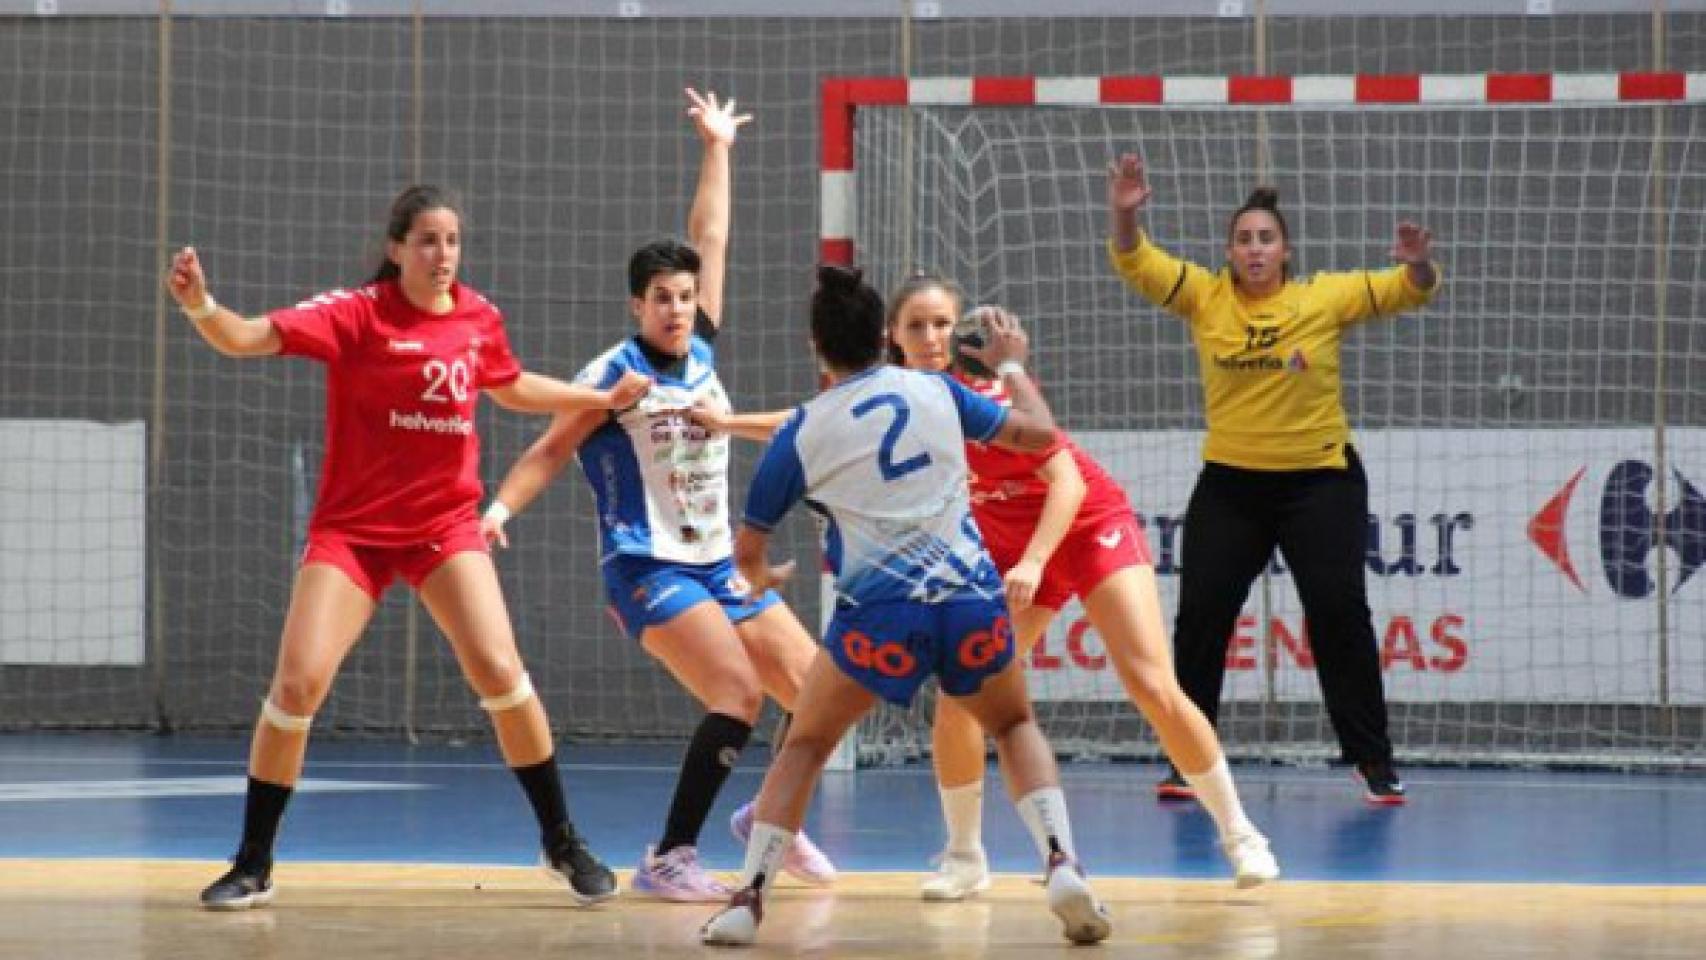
(567, 859)
(1380, 783)
(1175, 786)
(240, 889)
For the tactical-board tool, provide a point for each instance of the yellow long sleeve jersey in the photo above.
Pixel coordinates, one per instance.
(1270, 366)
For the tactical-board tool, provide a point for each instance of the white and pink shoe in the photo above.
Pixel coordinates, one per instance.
(677, 876)
(804, 861)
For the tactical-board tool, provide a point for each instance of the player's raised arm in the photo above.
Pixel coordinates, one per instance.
(1030, 423)
(1128, 191)
(708, 220)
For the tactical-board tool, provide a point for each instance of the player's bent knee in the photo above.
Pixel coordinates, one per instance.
(288, 722)
(299, 693)
(518, 695)
(1008, 725)
(740, 700)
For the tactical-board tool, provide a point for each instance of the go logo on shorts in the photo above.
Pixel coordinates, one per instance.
(981, 647)
(889, 659)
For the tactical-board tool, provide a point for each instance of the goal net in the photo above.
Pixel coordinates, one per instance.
(1535, 439)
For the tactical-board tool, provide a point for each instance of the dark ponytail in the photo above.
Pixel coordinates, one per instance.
(409, 204)
(846, 319)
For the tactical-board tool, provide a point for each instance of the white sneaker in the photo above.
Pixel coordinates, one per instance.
(958, 876)
(737, 924)
(1083, 919)
(1253, 864)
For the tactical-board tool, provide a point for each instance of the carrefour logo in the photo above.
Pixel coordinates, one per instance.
(1629, 530)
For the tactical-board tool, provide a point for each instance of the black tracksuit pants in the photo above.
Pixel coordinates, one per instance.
(1318, 519)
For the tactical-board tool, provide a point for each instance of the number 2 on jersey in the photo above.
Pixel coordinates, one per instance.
(890, 470)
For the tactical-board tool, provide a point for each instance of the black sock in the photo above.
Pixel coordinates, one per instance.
(262, 810)
(544, 787)
(715, 747)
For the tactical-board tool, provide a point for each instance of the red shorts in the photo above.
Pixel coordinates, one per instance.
(373, 568)
(1089, 554)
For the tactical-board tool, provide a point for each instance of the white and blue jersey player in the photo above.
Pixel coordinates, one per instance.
(661, 483)
(879, 456)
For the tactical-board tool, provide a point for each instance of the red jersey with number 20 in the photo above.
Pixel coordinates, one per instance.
(402, 461)
(1006, 493)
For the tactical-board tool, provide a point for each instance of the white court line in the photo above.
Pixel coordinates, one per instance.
(363, 764)
(155, 787)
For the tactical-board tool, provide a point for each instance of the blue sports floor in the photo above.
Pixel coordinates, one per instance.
(135, 796)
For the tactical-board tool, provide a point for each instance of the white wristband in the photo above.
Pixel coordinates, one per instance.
(498, 513)
(1006, 367)
(208, 308)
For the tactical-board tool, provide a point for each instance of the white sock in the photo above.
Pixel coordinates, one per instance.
(764, 852)
(962, 810)
(1219, 796)
(1044, 813)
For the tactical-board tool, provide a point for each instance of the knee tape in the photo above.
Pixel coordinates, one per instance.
(284, 721)
(522, 693)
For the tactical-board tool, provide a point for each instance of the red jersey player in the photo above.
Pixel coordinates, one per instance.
(1057, 525)
(407, 356)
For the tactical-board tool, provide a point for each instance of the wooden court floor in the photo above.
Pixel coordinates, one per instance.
(114, 909)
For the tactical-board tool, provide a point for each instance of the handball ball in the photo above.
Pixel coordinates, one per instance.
(970, 332)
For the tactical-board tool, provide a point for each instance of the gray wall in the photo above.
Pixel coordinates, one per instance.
(566, 137)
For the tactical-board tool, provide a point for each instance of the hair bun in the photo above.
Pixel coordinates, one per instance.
(1264, 198)
(835, 278)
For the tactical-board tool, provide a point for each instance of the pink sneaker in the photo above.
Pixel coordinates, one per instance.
(677, 876)
(804, 862)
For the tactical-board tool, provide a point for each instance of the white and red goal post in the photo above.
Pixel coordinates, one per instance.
(844, 96)
(1568, 216)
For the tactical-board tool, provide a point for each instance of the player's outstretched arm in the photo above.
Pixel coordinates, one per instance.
(222, 328)
(537, 393)
(759, 427)
(708, 219)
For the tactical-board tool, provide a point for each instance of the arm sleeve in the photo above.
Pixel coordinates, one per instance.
(497, 365)
(780, 480)
(324, 327)
(1361, 294)
(980, 417)
(1170, 283)
(600, 374)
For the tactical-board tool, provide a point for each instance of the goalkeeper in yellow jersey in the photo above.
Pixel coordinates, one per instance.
(1279, 466)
